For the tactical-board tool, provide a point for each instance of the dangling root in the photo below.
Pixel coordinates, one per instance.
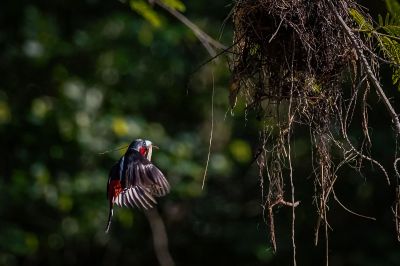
(289, 60)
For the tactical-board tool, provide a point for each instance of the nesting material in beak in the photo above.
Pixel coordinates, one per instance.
(149, 152)
(150, 147)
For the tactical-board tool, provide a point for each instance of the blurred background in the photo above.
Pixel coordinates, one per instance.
(82, 77)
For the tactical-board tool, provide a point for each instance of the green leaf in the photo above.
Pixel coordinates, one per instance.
(360, 20)
(175, 4)
(393, 7)
(390, 48)
(396, 76)
(387, 19)
(147, 12)
(392, 29)
(380, 20)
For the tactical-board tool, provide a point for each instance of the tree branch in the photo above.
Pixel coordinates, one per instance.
(160, 239)
(364, 62)
(208, 42)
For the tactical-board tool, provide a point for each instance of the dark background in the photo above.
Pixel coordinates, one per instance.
(82, 77)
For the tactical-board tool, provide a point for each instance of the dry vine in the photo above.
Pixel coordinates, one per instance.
(289, 60)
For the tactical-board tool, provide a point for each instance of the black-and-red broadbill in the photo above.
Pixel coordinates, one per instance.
(134, 181)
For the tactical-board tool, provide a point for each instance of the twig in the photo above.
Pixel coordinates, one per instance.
(350, 211)
(284, 202)
(207, 41)
(396, 167)
(116, 149)
(279, 201)
(160, 239)
(383, 60)
(276, 32)
(367, 66)
(213, 58)
(290, 120)
(396, 210)
(211, 132)
(352, 148)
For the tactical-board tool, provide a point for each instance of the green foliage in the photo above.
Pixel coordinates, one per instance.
(393, 7)
(147, 12)
(387, 35)
(144, 9)
(389, 43)
(175, 4)
(360, 19)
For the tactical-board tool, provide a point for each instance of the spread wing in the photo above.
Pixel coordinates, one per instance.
(135, 196)
(132, 196)
(138, 171)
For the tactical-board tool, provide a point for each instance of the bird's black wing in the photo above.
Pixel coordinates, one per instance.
(141, 172)
(135, 196)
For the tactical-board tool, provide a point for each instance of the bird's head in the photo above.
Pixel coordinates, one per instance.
(144, 147)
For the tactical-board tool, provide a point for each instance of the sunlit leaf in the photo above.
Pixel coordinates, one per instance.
(175, 4)
(393, 7)
(360, 20)
(120, 126)
(5, 114)
(392, 29)
(240, 150)
(147, 12)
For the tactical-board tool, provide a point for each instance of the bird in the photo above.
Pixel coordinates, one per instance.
(134, 181)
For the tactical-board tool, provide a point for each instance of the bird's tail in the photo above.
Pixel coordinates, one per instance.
(110, 214)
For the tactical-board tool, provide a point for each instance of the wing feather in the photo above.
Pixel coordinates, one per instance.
(125, 200)
(146, 199)
(159, 185)
(118, 200)
(132, 198)
(137, 196)
(140, 171)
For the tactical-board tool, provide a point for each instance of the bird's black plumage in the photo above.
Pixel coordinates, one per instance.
(139, 171)
(134, 180)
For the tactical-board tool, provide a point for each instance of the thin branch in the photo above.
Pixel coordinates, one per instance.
(368, 69)
(352, 148)
(396, 210)
(387, 35)
(276, 32)
(116, 149)
(290, 121)
(383, 60)
(208, 42)
(376, 32)
(271, 206)
(284, 202)
(160, 239)
(396, 169)
(350, 211)
(211, 131)
(215, 56)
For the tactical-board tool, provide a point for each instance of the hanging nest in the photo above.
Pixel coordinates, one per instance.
(290, 59)
(288, 48)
